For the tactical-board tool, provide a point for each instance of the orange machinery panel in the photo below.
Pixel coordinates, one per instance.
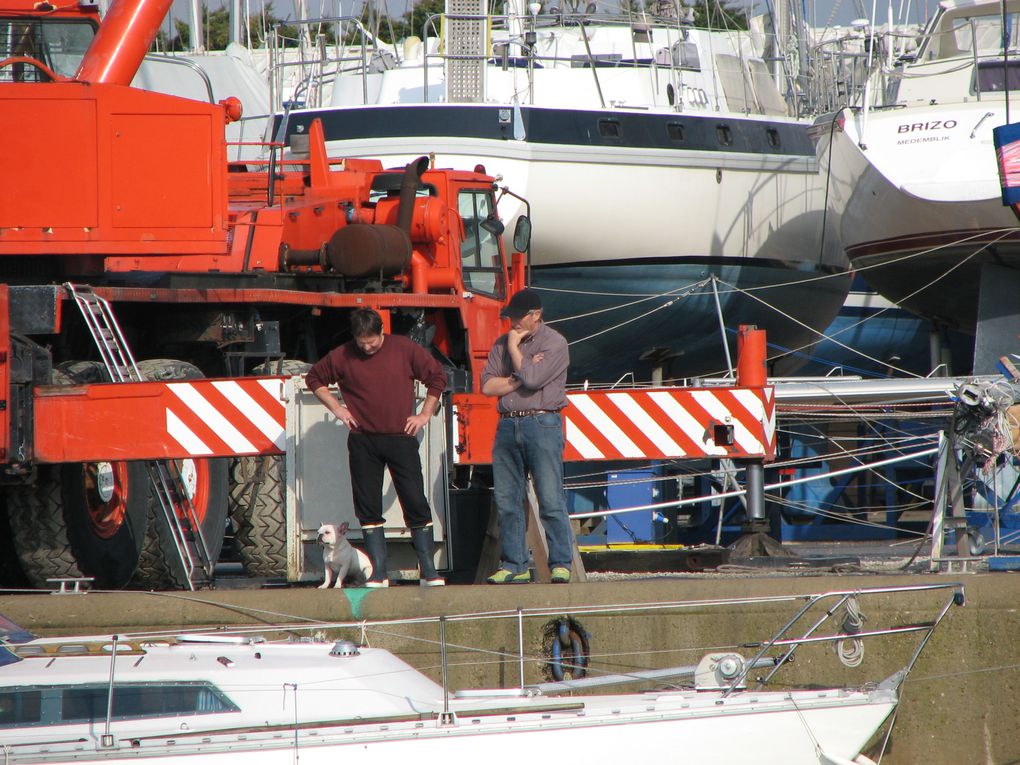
(107, 169)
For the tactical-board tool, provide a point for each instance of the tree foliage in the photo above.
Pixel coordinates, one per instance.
(413, 22)
(216, 29)
(216, 23)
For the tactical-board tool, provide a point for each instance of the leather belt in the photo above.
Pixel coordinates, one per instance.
(527, 413)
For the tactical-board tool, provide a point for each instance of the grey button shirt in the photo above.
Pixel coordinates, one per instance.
(543, 383)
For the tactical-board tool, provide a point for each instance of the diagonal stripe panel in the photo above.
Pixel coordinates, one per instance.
(591, 411)
(274, 387)
(769, 398)
(255, 414)
(194, 401)
(208, 431)
(580, 443)
(183, 435)
(760, 418)
(634, 407)
(590, 432)
(694, 429)
(609, 442)
(711, 402)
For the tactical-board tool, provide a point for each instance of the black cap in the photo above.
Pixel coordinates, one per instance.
(521, 304)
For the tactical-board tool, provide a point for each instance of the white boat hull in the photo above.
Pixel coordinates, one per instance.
(598, 203)
(770, 728)
(915, 195)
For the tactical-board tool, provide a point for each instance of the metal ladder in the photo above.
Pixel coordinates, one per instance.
(195, 568)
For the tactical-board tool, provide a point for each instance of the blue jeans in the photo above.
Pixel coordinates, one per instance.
(532, 445)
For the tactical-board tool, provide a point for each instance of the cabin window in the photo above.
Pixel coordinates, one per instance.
(773, 137)
(676, 131)
(480, 255)
(682, 55)
(993, 77)
(20, 707)
(610, 129)
(725, 135)
(60, 44)
(960, 35)
(62, 705)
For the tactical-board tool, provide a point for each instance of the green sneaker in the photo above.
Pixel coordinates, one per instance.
(503, 576)
(560, 575)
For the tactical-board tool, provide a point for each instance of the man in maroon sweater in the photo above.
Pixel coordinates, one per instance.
(376, 374)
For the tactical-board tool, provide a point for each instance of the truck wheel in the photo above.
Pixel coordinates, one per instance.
(258, 500)
(11, 573)
(206, 483)
(80, 519)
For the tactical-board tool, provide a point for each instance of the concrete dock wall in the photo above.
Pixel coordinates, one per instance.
(961, 704)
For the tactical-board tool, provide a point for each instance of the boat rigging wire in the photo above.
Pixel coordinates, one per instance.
(1003, 233)
(642, 298)
(622, 323)
(740, 492)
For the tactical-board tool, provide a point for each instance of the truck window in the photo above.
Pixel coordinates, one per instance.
(481, 259)
(58, 43)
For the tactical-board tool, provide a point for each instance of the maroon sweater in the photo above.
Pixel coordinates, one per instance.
(379, 389)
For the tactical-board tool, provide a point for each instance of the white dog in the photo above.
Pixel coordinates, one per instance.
(340, 559)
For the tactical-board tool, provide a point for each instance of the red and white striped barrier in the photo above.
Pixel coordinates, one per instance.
(646, 424)
(228, 416)
(161, 420)
(670, 423)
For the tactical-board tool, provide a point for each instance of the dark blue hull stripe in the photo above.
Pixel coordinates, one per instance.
(568, 127)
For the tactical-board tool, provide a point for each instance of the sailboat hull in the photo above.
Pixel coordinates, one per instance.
(634, 316)
(915, 195)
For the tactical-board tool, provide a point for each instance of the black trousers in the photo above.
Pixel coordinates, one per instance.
(369, 454)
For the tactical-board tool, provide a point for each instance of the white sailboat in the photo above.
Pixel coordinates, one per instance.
(913, 187)
(219, 697)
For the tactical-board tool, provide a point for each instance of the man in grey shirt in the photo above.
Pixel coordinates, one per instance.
(527, 370)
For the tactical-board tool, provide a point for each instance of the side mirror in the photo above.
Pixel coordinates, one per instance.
(493, 225)
(522, 234)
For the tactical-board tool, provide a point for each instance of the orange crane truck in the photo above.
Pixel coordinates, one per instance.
(214, 269)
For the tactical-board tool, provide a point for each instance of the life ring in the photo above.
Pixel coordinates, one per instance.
(566, 645)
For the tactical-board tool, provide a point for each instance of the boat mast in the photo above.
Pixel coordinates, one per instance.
(196, 33)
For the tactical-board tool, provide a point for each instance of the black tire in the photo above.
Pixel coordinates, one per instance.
(12, 575)
(62, 527)
(258, 500)
(158, 566)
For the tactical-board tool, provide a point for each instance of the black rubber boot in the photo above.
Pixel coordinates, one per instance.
(375, 546)
(426, 551)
